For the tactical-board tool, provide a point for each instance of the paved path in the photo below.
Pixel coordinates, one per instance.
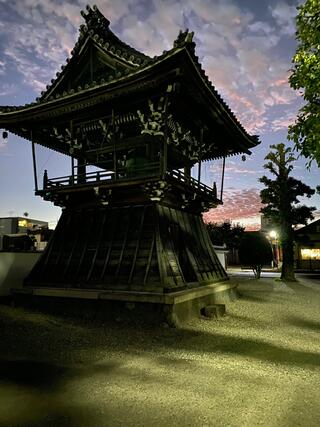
(259, 365)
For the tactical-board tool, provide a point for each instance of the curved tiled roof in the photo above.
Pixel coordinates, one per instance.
(96, 29)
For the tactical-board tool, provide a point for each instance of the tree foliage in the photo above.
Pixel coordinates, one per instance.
(281, 199)
(225, 233)
(306, 77)
(255, 251)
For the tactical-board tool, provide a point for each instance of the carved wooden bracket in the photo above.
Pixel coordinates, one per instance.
(156, 190)
(154, 122)
(104, 196)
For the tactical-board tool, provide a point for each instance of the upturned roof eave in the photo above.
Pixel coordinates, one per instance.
(131, 78)
(14, 111)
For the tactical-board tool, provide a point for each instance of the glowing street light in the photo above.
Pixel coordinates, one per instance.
(274, 244)
(273, 234)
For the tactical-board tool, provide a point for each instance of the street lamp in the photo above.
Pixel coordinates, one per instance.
(273, 240)
(273, 234)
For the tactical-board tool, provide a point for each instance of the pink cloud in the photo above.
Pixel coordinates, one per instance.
(283, 122)
(237, 205)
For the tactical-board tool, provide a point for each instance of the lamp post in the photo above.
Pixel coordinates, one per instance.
(274, 244)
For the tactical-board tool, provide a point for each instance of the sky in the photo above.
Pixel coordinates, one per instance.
(245, 47)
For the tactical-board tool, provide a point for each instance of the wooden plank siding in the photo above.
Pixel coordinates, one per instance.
(148, 247)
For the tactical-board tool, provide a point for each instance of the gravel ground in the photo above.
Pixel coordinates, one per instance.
(257, 366)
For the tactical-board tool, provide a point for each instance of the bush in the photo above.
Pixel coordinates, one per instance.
(255, 250)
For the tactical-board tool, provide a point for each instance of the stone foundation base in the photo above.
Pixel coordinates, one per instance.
(174, 308)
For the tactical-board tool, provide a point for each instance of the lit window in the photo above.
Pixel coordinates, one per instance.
(310, 254)
(22, 223)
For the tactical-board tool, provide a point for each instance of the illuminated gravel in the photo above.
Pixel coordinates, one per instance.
(259, 365)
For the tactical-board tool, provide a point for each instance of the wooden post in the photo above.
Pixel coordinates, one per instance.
(222, 178)
(165, 155)
(81, 170)
(72, 169)
(72, 158)
(165, 143)
(91, 63)
(45, 179)
(114, 145)
(34, 164)
(199, 164)
(187, 171)
(199, 171)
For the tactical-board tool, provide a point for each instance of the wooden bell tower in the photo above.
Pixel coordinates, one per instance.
(133, 126)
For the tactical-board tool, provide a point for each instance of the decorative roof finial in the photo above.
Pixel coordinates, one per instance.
(184, 37)
(95, 19)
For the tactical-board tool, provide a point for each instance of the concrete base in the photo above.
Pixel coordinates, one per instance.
(174, 308)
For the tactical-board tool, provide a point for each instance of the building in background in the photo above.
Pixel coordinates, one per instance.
(22, 233)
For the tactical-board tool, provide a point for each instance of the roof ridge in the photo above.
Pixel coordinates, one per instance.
(97, 29)
(97, 22)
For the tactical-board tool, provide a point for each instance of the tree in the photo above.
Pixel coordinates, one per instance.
(281, 202)
(255, 250)
(225, 233)
(305, 133)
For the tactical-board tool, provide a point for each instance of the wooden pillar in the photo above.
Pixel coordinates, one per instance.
(34, 163)
(45, 179)
(114, 145)
(187, 171)
(199, 171)
(222, 177)
(81, 170)
(164, 164)
(164, 151)
(72, 158)
(165, 155)
(72, 169)
(199, 164)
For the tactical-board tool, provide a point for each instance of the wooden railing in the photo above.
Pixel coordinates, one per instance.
(177, 174)
(151, 169)
(148, 171)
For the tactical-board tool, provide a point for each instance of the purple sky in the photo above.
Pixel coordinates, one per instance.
(245, 47)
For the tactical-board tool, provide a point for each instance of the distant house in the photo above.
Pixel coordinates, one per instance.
(307, 246)
(20, 225)
(22, 233)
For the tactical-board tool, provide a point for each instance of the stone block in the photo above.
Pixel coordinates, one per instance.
(214, 311)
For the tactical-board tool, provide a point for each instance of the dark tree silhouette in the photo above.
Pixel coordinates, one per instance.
(280, 198)
(255, 250)
(225, 233)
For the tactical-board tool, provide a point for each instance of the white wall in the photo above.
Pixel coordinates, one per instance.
(221, 254)
(14, 267)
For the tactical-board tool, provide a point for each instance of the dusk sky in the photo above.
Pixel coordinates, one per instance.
(245, 46)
